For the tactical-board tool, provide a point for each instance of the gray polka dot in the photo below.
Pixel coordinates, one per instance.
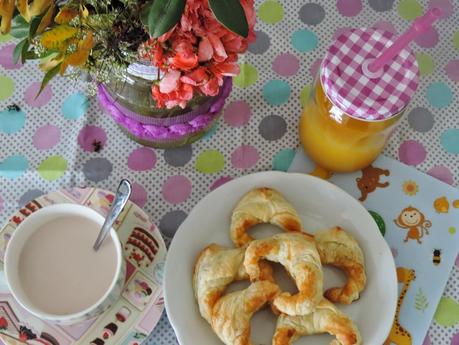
(421, 119)
(261, 44)
(381, 5)
(179, 156)
(272, 127)
(171, 222)
(97, 169)
(29, 195)
(312, 14)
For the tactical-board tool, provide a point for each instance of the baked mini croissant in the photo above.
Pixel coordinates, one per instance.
(338, 248)
(262, 205)
(232, 313)
(298, 254)
(216, 268)
(325, 319)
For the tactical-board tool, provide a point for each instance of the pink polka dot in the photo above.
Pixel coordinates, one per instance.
(445, 5)
(245, 157)
(286, 65)
(386, 26)
(455, 338)
(341, 31)
(452, 70)
(176, 189)
(30, 95)
(428, 39)
(457, 261)
(142, 159)
(46, 137)
(442, 173)
(411, 152)
(139, 195)
(220, 181)
(315, 68)
(237, 113)
(6, 57)
(427, 340)
(349, 8)
(92, 138)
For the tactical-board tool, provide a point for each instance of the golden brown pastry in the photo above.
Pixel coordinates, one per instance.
(232, 313)
(298, 254)
(216, 268)
(325, 319)
(262, 205)
(338, 248)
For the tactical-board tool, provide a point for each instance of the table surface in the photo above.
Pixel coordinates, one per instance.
(62, 138)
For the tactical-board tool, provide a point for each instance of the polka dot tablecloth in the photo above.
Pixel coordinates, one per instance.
(62, 138)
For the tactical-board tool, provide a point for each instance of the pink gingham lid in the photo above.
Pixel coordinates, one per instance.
(344, 77)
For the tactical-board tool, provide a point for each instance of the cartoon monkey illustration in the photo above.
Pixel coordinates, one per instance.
(415, 222)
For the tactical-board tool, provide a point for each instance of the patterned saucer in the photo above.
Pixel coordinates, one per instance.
(132, 317)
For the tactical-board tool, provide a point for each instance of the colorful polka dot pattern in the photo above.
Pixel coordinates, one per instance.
(62, 138)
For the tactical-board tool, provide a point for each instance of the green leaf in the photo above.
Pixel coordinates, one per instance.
(48, 76)
(19, 48)
(163, 15)
(19, 27)
(24, 49)
(231, 15)
(34, 23)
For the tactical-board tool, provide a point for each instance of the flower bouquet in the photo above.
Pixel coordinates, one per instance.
(162, 69)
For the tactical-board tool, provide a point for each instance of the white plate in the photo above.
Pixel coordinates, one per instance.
(320, 205)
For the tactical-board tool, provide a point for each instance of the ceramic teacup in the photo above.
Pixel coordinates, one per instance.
(53, 271)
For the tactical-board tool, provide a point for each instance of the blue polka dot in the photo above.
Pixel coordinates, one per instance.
(276, 92)
(283, 159)
(75, 106)
(14, 166)
(304, 40)
(450, 140)
(439, 95)
(211, 132)
(11, 121)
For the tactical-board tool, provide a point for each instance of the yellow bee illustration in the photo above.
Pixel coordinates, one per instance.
(436, 257)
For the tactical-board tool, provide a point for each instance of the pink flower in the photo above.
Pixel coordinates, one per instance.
(169, 82)
(196, 55)
(184, 57)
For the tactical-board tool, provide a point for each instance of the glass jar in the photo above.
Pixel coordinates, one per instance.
(336, 141)
(351, 111)
(129, 102)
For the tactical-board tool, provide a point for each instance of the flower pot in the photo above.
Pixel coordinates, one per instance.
(129, 102)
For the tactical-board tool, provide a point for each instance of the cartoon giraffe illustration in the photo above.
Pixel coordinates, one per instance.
(399, 335)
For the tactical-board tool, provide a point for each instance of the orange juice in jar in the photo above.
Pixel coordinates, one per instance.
(351, 111)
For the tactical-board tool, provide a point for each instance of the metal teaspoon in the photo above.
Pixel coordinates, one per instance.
(122, 196)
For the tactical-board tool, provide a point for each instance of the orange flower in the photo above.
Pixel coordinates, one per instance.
(184, 57)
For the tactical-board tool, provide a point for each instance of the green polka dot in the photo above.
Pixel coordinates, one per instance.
(247, 77)
(379, 222)
(4, 38)
(456, 40)
(452, 230)
(210, 161)
(425, 63)
(304, 94)
(7, 87)
(271, 12)
(447, 314)
(409, 9)
(283, 159)
(52, 168)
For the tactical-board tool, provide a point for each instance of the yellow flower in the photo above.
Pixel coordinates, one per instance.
(6, 14)
(410, 187)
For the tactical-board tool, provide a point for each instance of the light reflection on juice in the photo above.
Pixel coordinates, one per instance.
(336, 141)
